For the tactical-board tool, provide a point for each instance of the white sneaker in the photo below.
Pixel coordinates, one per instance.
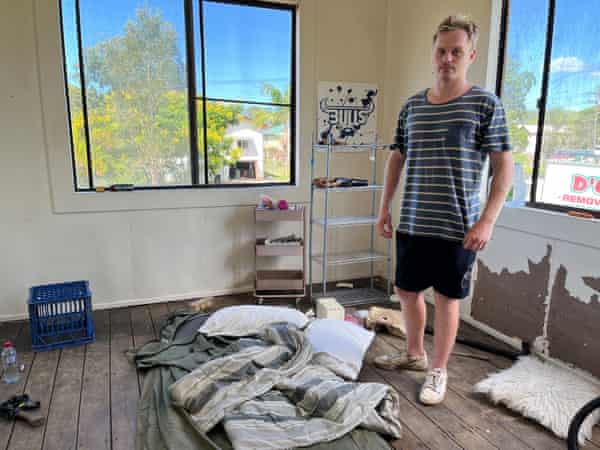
(433, 390)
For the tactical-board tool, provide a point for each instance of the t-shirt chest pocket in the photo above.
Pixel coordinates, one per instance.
(462, 135)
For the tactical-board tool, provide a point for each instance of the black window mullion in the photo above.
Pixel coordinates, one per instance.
(292, 138)
(84, 97)
(543, 100)
(291, 105)
(191, 75)
(193, 97)
(256, 3)
(204, 118)
(68, 97)
(246, 102)
(502, 45)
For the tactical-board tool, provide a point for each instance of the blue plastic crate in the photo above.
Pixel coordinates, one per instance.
(60, 315)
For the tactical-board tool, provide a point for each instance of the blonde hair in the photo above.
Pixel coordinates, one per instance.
(459, 22)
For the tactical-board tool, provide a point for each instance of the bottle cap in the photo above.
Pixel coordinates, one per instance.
(8, 344)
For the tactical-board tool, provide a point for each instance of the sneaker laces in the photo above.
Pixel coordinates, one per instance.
(434, 380)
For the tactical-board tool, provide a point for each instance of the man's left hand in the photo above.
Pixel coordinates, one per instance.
(479, 235)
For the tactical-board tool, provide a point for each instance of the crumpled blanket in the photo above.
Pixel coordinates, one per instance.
(272, 395)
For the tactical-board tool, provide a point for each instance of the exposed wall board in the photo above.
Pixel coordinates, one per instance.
(508, 300)
(573, 331)
(582, 267)
(512, 250)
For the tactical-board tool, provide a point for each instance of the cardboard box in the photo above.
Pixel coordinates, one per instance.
(329, 308)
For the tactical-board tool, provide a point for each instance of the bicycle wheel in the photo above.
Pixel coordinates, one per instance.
(577, 420)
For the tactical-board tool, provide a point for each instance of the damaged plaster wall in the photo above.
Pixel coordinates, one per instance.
(510, 292)
(574, 312)
(543, 290)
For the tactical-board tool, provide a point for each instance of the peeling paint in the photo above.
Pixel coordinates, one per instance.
(513, 303)
(573, 330)
(502, 254)
(592, 282)
(577, 285)
(582, 265)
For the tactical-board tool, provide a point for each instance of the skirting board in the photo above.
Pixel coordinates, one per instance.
(513, 342)
(147, 301)
(168, 298)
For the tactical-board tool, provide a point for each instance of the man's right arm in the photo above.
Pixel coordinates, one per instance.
(393, 169)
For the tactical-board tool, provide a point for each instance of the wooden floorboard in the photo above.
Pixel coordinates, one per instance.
(94, 412)
(596, 436)
(409, 440)
(89, 393)
(498, 424)
(159, 313)
(528, 430)
(63, 417)
(13, 331)
(143, 332)
(40, 385)
(408, 384)
(123, 381)
(419, 424)
(476, 413)
(466, 372)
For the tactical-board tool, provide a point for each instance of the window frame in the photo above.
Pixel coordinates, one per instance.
(541, 105)
(192, 98)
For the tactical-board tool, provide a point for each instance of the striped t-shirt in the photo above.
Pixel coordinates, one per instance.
(446, 146)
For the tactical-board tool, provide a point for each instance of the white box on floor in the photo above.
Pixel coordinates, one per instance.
(329, 308)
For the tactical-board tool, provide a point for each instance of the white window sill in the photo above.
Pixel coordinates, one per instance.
(551, 224)
(74, 202)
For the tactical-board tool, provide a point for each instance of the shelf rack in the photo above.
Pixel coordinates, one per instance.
(280, 283)
(358, 296)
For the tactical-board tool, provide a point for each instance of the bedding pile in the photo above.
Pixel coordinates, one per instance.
(265, 390)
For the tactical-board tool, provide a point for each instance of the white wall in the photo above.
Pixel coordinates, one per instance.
(192, 244)
(522, 237)
(408, 69)
(145, 246)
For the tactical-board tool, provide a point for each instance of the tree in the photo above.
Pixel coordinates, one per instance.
(276, 158)
(568, 130)
(516, 86)
(144, 59)
(137, 79)
(137, 110)
(221, 152)
(263, 118)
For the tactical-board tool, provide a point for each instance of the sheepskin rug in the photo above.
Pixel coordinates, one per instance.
(543, 392)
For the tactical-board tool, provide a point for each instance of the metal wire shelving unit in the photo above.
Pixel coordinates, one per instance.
(325, 259)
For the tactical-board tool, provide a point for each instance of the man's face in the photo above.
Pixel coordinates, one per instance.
(452, 55)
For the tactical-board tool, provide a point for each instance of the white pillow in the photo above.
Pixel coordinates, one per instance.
(339, 345)
(245, 320)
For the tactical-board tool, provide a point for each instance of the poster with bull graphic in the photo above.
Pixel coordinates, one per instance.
(347, 112)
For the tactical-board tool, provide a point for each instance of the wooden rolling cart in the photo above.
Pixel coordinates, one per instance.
(280, 283)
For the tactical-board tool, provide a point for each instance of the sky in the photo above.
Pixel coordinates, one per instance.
(575, 61)
(248, 46)
(245, 46)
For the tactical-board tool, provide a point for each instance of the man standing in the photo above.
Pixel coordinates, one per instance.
(443, 138)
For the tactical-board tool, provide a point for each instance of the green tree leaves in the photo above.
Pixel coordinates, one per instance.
(137, 110)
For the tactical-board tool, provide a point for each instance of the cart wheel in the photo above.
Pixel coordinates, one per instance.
(578, 419)
(298, 300)
(260, 300)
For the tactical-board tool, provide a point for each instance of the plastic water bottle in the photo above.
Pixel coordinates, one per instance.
(10, 371)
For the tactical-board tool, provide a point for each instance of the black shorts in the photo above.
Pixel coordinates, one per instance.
(423, 262)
